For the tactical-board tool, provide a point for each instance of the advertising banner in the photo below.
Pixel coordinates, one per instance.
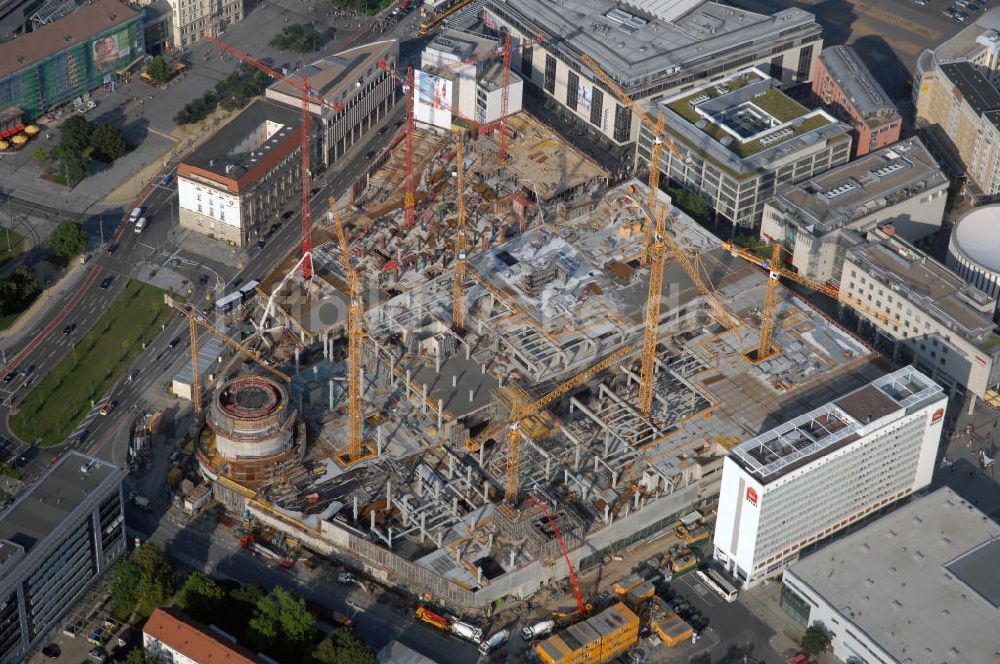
(433, 101)
(107, 50)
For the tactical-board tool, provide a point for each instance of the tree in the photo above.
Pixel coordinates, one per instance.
(18, 290)
(282, 625)
(815, 640)
(41, 156)
(142, 582)
(202, 598)
(108, 143)
(75, 134)
(140, 656)
(343, 647)
(69, 239)
(158, 70)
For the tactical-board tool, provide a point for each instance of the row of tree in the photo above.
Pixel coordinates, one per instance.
(231, 93)
(81, 143)
(277, 623)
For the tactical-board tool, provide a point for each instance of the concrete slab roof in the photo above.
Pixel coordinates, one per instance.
(639, 42)
(63, 488)
(854, 190)
(920, 581)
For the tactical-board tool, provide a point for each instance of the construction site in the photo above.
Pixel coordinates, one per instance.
(493, 367)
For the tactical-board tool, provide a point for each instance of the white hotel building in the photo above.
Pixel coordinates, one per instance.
(810, 477)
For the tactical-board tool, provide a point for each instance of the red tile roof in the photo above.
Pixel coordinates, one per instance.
(194, 640)
(51, 38)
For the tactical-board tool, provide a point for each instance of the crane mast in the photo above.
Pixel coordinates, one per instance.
(355, 335)
(461, 243)
(647, 369)
(766, 347)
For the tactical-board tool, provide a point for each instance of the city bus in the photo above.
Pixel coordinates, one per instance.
(225, 304)
(248, 290)
(719, 583)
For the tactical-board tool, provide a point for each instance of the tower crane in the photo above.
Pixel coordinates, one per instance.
(355, 335)
(660, 141)
(194, 320)
(766, 347)
(647, 368)
(305, 128)
(777, 272)
(521, 409)
(458, 285)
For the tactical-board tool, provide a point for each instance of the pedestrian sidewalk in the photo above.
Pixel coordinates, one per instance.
(765, 603)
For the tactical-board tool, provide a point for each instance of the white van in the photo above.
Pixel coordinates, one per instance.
(136, 214)
(140, 225)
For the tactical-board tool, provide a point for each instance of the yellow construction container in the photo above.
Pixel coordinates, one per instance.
(638, 595)
(683, 563)
(622, 587)
(667, 625)
(597, 639)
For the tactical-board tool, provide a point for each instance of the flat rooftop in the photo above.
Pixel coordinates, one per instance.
(637, 43)
(818, 432)
(461, 44)
(746, 122)
(979, 35)
(858, 188)
(920, 581)
(52, 499)
(856, 80)
(249, 138)
(975, 88)
(334, 76)
(940, 293)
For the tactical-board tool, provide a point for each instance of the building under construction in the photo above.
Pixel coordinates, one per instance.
(536, 397)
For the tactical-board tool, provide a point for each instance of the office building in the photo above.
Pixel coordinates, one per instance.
(651, 49)
(358, 93)
(816, 220)
(930, 316)
(157, 26)
(476, 86)
(236, 183)
(808, 478)
(70, 57)
(958, 105)
(848, 89)
(60, 535)
(193, 19)
(917, 585)
(739, 138)
(173, 637)
(974, 248)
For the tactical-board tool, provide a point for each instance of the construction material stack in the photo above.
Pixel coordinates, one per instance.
(597, 639)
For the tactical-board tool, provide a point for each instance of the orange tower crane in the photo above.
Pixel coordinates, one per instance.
(194, 320)
(659, 138)
(355, 335)
(521, 409)
(776, 272)
(307, 98)
(647, 368)
(766, 347)
(458, 286)
(504, 97)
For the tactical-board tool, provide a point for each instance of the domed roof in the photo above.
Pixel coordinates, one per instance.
(977, 235)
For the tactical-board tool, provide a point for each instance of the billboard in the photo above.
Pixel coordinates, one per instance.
(432, 101)
(107, 50)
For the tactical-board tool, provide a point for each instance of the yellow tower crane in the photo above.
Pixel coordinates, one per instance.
(355, 335)
(647, 368)
(458, 286)
(777, 272)
(194, 320)
(766, 347)
(521, 408)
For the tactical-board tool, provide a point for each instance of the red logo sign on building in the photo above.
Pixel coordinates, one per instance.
(752, 496)
(938, 414)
